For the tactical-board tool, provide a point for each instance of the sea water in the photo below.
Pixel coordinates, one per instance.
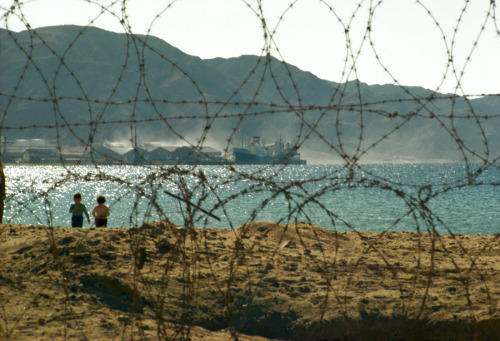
(447, 198)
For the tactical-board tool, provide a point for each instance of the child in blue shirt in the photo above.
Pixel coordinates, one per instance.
(78, 210)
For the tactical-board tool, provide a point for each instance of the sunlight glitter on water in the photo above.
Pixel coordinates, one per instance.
(320, 194)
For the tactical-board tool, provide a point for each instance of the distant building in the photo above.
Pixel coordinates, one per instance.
(209, 155)
(105, 156)
(37, 151)
(201, 156)
(41, 155)
(135, 156)
(162, 155)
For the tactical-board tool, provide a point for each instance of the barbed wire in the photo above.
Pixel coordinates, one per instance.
(40, 72)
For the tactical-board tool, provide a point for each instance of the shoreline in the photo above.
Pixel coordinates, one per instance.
(312, 163)
(227, 229)
(261, 281)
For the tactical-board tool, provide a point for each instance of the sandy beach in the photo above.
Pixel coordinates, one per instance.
(257, 282)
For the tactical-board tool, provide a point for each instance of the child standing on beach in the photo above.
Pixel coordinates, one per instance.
(101, 212)
(77, 210)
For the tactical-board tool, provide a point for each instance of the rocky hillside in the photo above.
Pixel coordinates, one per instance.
(82, 84)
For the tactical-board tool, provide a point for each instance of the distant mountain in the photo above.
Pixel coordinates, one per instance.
(78, 84)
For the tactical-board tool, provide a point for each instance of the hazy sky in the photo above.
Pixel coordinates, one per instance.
(330, 38)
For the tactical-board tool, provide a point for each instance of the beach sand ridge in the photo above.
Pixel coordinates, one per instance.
(260, 281)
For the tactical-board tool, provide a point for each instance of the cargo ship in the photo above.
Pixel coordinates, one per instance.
(276, 153)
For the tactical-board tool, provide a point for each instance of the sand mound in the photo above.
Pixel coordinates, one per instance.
(261, 280)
